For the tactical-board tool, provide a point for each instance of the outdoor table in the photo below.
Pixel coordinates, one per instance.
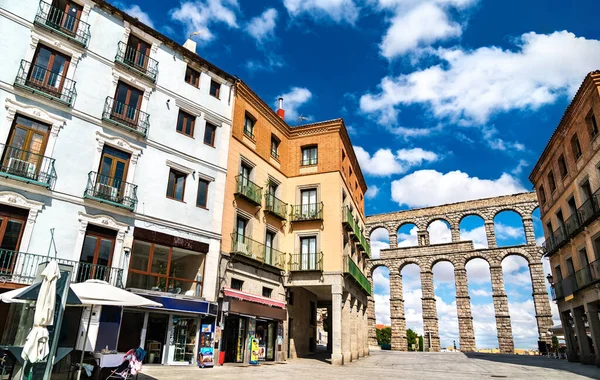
(108, 360)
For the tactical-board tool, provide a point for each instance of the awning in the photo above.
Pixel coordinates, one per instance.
(253, 298)
(183, 305)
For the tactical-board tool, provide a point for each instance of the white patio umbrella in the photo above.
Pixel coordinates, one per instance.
(36, 345)
(96, 292)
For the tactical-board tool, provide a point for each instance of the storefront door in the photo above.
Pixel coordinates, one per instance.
(235, 339)
(265, 333)
(182, 342)
(155, 337)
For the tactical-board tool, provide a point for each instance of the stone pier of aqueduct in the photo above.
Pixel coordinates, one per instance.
(458, 253)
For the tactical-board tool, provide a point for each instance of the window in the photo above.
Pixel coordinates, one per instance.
(12, 223)
(308, 203)
(176, 185)
(64, 16)
(48, 71)
(542, 195)
(549, 228)
(166, 268)
(23, 155)
(596, 243)
(185, 123)
(562, 166)
(202, 197)
(570, 266)
(236, 284)
(575, 147)
(592, 125)
(557, 274)
(249, 122)
(266, 292)
(241, 225)
(269, 245)
(209, 134)
(586, 189)
(343, 155)
(138, 53)
(215, 88)
(96, 254)
(126, 106)
(560, 219)
(308, 253)
(192, 77)
(583, 259)
(112, 174)
(309, 155)
(274, 146)
(291, 297)
(551, 182)
(245, 171)
(572, 206)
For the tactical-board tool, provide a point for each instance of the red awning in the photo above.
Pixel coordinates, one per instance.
(252, 298)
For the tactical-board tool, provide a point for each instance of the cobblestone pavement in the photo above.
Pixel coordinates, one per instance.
(394, 365)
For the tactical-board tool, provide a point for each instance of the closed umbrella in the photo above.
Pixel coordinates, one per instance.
(36, 345)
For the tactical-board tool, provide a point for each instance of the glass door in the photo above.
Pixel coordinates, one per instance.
(112, 174)
(128, 101)
(184, 339)
(96, 254)
(140, 52)
(65, 14)
(48, 70)
(26, 148)
(309, 203)
(269, 239)
(308, 253)
(12, 223)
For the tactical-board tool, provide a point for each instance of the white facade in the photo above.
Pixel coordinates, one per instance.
(78, 135)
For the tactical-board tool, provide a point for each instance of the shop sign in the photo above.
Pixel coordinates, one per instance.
(254, 350)
(206, 352)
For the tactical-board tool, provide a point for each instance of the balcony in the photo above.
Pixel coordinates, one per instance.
(581, 279)
(27, 166)
(111, 190)
(275, 206)
(256, 251)
(248, 190)
(354, 271)
(306, 212)
(42, 81)
(136, 61)
(64, 24)
(587, 213)
(355, 233)
(306, 262)
(125, 116)
(21, 268)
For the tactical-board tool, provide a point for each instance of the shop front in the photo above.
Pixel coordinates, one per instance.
(252, 327)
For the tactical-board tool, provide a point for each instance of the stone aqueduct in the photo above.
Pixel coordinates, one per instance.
(458, 253)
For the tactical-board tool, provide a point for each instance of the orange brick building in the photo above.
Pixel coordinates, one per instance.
(293, 237)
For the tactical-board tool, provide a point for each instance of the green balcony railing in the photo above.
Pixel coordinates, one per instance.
(137, 61)
(306, 212)
(65, 24)
(21, 268)
(42, 81)
(126, 116)
(275, 206)
(27, 166)
(353, 270)
(257, 251)
(355, 233)
(111, 190)
(306, 262)
(248, 189)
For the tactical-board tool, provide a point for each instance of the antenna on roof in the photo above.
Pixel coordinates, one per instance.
(302, 118)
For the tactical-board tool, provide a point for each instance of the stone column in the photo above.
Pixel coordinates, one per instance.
(335, 333)
(591, 311)
(329, 335)
(365, 332)
(393, 238)
(430, 319)
(463, 309)
(491, 235)
(565, 318)
(371, 321)
(346, 329)
(543, 314)
(505, 338)
(423, 237)
(359, 331)
(585, 351)
(528, 227)
(354, 329)
(455, 232)
(397, 313)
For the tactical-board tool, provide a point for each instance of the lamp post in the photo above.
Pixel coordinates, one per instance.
(549, 278)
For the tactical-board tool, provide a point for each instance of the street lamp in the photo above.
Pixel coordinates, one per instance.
(549, 278)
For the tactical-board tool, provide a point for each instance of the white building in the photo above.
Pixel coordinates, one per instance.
(117, 138)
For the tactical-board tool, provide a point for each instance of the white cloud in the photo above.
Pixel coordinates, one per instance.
(496, 143)
(372, 192)
(520, 166)
(262, 27)
(293, 100)
(476, 235)
(472, 85)
(339, 11)
(439, 232)
(429, 188)
(379, 240)
(504, 232)
(137, 12)
(385, 163)
(198, 15)
(480, 293)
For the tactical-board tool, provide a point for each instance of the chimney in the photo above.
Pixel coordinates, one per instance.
(190, 45)
(281, 111)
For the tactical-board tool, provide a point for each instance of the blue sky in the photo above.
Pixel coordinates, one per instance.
(445, 100)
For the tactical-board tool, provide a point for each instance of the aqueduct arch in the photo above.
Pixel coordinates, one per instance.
(425, 255)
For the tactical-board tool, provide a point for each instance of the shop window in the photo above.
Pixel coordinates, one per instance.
(192, 77)
(185, 123)
(167, 269)
(236, 284)
(215, 88)
(309, 155)
(176, 185)
(266, 292)
(209, 134)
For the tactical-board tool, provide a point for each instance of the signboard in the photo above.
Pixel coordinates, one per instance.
(206, 351)
(254, 350)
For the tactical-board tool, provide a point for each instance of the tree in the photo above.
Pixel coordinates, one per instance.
(421, 343)
(411, 339)
(384, 336)
(554, 344)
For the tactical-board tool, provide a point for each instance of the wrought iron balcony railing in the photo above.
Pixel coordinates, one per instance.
(126, 116)
(306, 262)
(111, 190)
(44, 82)
(306, 212)
(354, 271)
(581, 279)
(21, 268)
(137, 61)
(248, 190)
(67, 25)
(275, 206)
(257, 251)
(27, 166)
